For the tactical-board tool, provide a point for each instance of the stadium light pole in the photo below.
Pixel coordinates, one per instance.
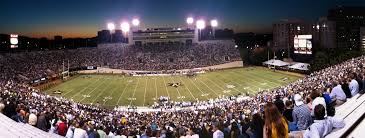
(214, 24)
(111, 27)
(200, 24)
(135, 22)
(125, 28)
(189, 21)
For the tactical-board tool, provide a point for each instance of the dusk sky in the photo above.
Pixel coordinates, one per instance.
(83, 18)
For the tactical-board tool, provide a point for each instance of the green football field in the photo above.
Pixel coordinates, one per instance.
(112, 90)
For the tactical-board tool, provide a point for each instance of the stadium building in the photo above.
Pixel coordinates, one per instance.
(163, 36)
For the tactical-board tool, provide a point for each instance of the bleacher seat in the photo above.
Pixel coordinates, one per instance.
(352, 112)
(12, 129)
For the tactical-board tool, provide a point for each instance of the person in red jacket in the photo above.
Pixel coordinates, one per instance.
(62, 127)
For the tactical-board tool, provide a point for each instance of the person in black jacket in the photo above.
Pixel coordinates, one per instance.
(288, 112)
(345, 88)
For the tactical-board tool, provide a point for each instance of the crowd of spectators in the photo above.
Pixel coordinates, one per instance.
(25, 66)
(304, 106)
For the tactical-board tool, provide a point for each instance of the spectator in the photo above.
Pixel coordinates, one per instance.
(337, 94)
(317, 99)
(346, 89)
(62, 127)
(301, 113)
(322, 125)
(354, 85)
(256, 127)
(217, 133)
(2, 106)
(101, 132)
(42, 122)
(279, 103)
(275, 124)
(80, 131)
(288, 112)
(235, 131)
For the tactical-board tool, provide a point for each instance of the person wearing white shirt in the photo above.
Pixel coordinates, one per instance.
(354, 87)
(337, 94)
(217, 133)
(322, 125)
(80, 132)
(317, 99)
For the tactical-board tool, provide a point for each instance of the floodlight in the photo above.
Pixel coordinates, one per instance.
(125, 27)
(111, 26)
(200, 24)
(190, 20)
(214, 23)
(135, 22)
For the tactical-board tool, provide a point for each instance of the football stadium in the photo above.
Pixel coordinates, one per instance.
(75, 71)
(120, 90)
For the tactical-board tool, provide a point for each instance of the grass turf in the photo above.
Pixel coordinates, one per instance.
(112, 90)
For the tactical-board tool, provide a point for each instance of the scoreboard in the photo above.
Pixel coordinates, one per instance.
(303, 44)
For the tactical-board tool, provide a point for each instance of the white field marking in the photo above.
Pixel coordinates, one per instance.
(111, 95)
(198, 88)
(275, 79)
(145, 91)
(93, 89)
(236, 83)
(267, 78)
(155, 87)
(250, 78)
(123, 92)
(187, 89)
(227, 84)
(208, 87)
(134, 92)
(253, 76)
(64, 95)
(173, 81)
(217, 85)
(247, 82)
(168, 94)
(85, 88)
(100, 93)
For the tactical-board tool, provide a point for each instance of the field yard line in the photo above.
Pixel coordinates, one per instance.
(156, 88)
(197, 87)
(122, 93)
(218, 85)
(111, 95)
(134, 92)
(188, 89)
(239, 84)
(93, 90)
(145, 91)
(209, 87)
(74, 88)
(251, 80)
(227, 84)
(168, 94)
(105, 88)
(173, 81)
(247, 82)
(276, 82)
(84, 88)
(263, 76)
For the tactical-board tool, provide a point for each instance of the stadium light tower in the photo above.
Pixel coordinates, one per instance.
(111, 28)
(125, 29)
(214, 24)
(135, 22)
(200, 24)
(190, 21)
